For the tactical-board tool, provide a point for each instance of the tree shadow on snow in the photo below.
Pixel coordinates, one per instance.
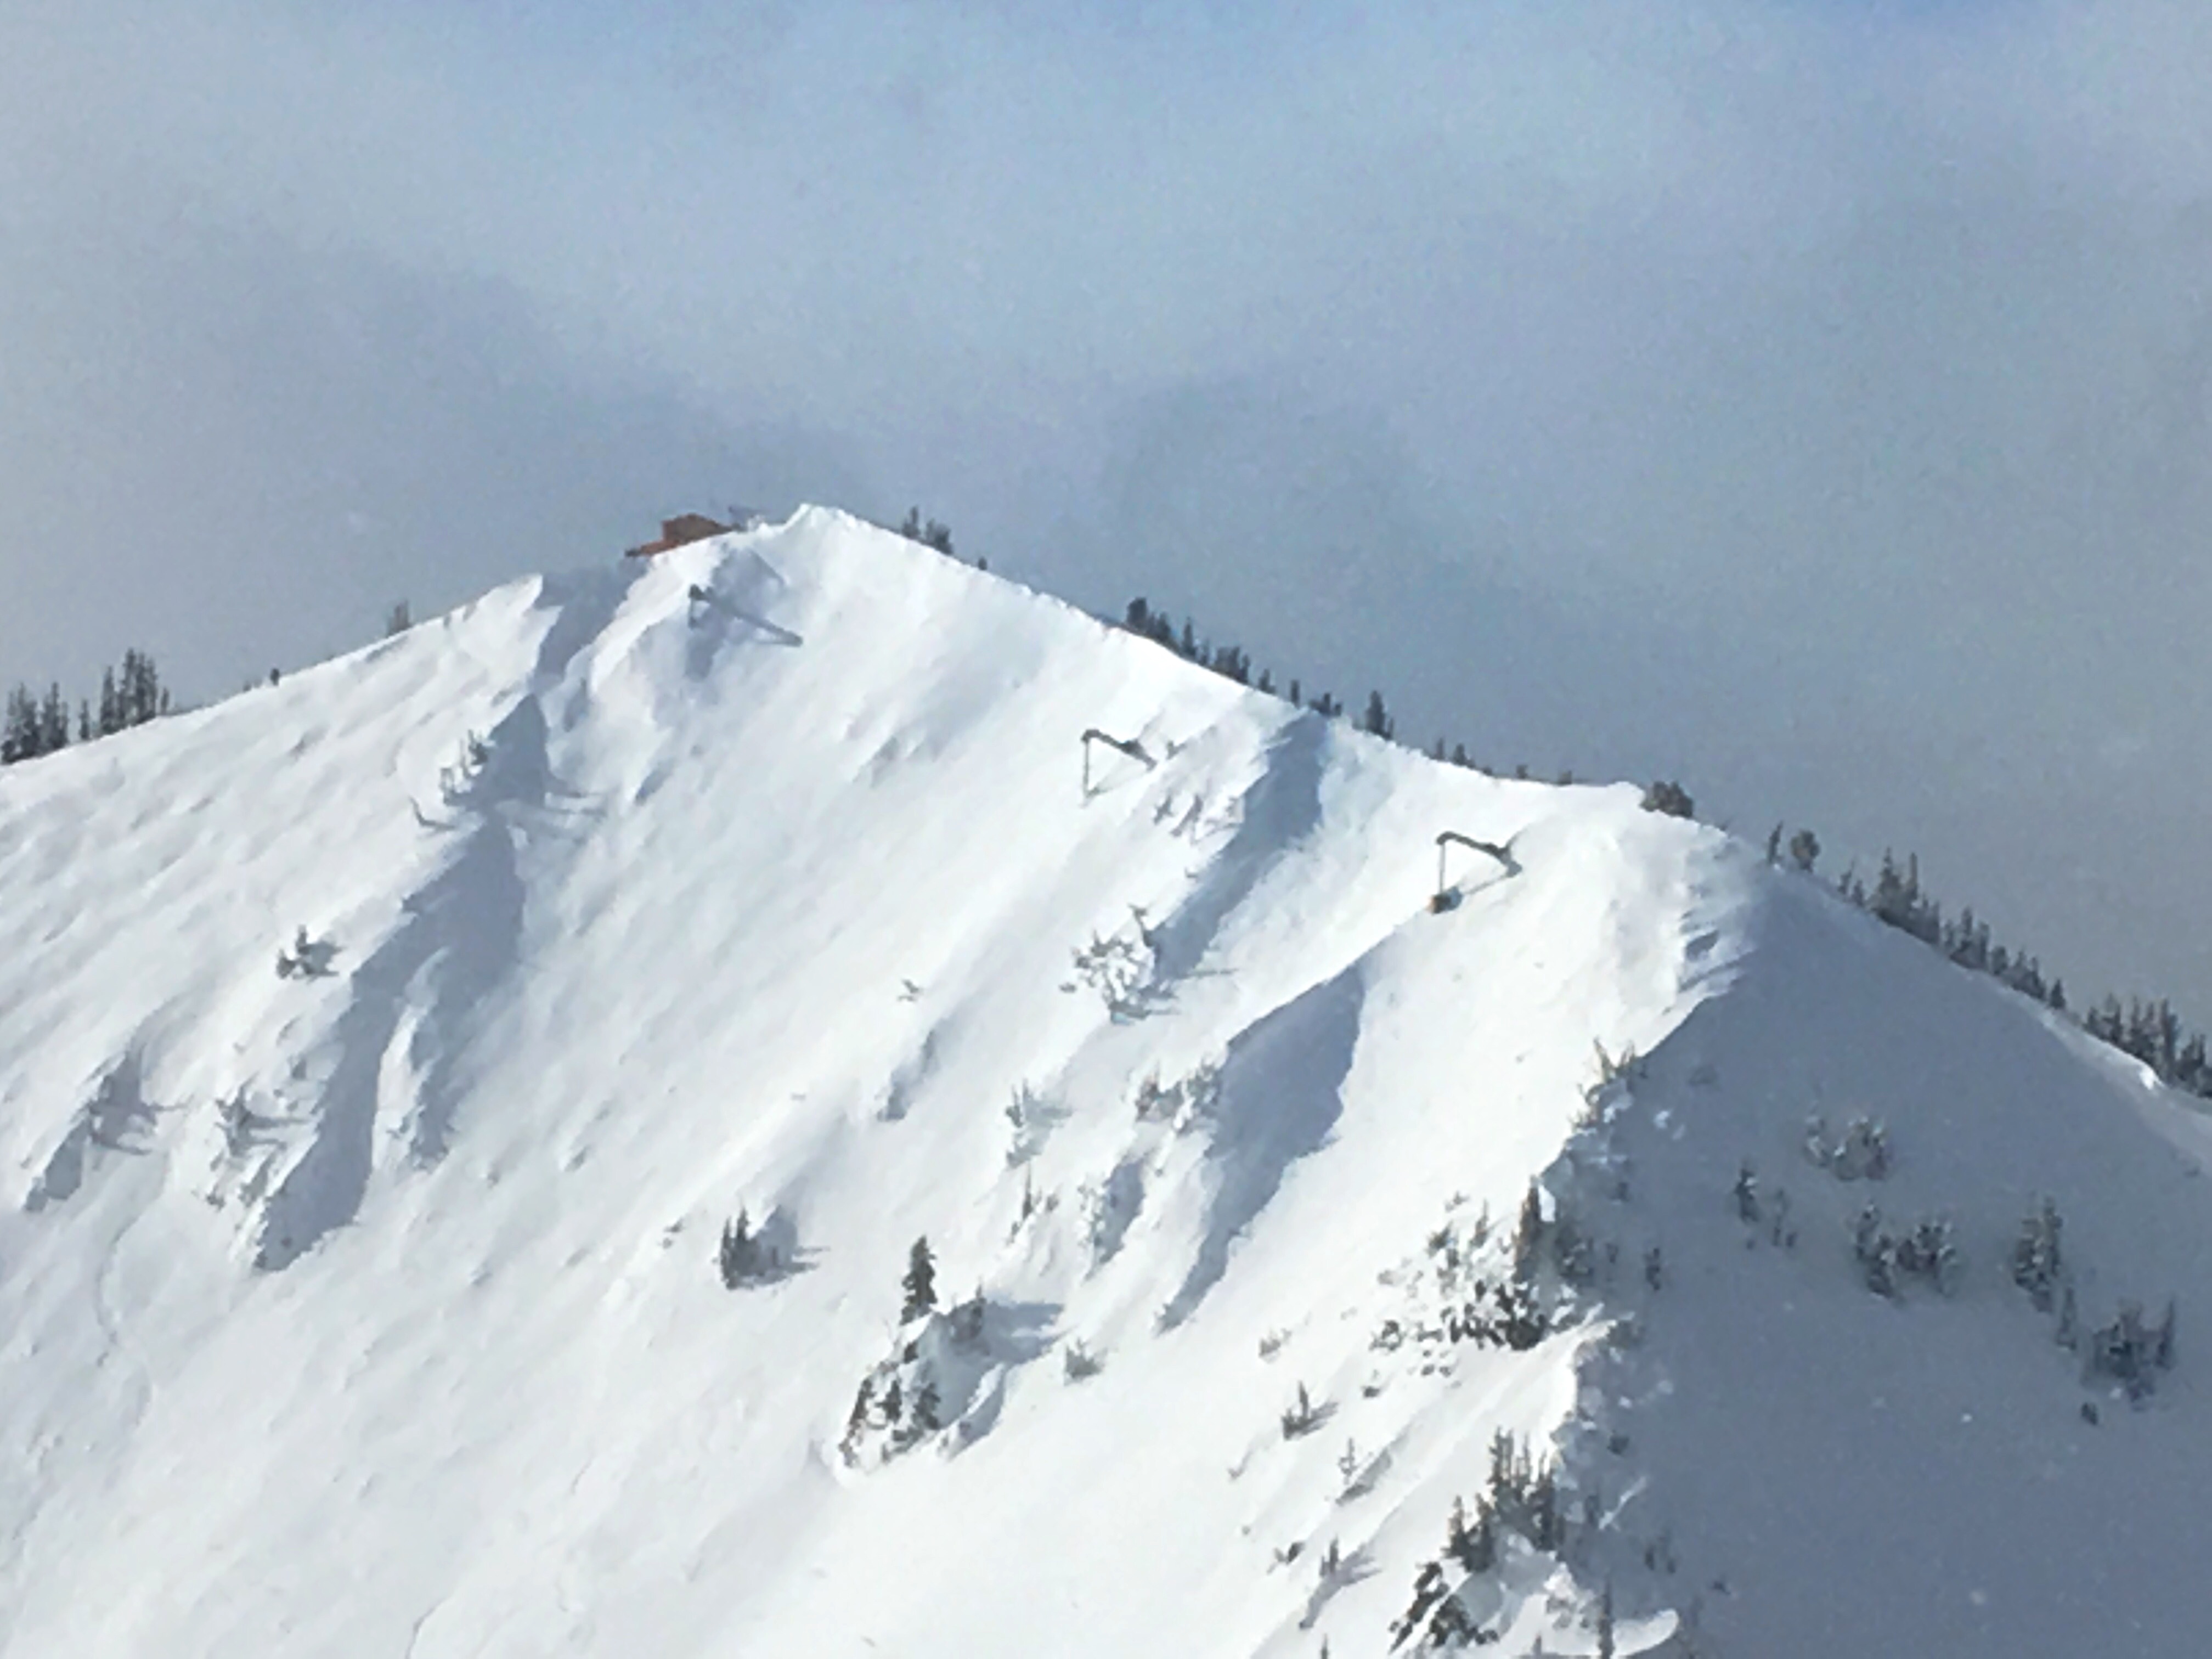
(1280, 809)
(455, 945)
(1349, 1571)
(1014, 1334)
(775, 1254)
(118, 1118)
(1280, 1098)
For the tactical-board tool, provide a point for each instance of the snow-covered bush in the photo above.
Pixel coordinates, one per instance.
(2038, 1261)
(1033, 1117)
(1862, 1154)
(1119, 969)
(1603, 1094)
(1303, 1415)
(2130, 1351)
(459, 779)
(1110, 1207)
(1746, 1195)
(1930, 1251)
(307, 958)
(1927, 1250)
(1180, 1103)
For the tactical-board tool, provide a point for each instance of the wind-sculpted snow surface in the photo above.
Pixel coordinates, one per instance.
(386, 1056)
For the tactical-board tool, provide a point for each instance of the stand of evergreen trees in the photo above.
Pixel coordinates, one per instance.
(35, 725)
(1233, 662)
(930, 532)
(2151, 1031)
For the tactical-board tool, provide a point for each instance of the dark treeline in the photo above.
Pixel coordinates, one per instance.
(930, 532)
(2149, 1030)
(1234, 662)
(2152, 1032)
(129, 696)
(1898, 899)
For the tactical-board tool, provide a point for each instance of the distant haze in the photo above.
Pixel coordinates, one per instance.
(1806, 400)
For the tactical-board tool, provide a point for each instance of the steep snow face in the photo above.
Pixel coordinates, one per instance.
(384, 1055)
(1944, 1468)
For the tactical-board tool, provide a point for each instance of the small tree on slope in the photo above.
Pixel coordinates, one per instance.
(738, 1256)
(920, 1283)
(2038, 1261)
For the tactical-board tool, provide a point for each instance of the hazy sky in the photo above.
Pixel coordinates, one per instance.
(1811, 399)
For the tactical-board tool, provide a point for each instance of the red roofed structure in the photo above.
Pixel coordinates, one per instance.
(678, 531)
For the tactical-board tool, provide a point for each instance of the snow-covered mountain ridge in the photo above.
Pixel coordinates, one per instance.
(383, 1054)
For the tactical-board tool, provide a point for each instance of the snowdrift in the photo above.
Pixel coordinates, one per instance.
(385, 1056)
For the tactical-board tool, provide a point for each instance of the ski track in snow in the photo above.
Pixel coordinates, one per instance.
(373, 1309)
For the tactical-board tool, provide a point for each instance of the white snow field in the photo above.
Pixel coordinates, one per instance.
(371, 1307)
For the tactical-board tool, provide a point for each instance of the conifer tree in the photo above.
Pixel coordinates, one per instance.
(1475, 1546)
(739, 1255)
(920, 1283)
(19, 737)
(2038, 1260)
(1528, 1237)
(53, 721)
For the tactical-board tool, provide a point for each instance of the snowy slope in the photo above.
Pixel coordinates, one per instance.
(370, 1307)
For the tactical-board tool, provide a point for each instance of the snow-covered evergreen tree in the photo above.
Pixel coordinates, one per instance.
(920, 1283)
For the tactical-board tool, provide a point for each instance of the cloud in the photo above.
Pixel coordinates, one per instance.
(238, 452)
(1811, 399)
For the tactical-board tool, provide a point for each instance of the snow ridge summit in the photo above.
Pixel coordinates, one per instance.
(685, 1111)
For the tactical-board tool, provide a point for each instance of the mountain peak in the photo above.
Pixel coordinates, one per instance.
(473, 1109)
